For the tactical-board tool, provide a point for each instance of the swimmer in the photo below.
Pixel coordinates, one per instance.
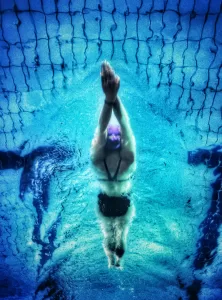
(113, 153)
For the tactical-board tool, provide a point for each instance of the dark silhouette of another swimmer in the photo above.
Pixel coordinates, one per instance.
(38, 168)
(113, 157)
(207, 245)
(211, 156)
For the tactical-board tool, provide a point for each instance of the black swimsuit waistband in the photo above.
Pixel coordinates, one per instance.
(117, 180)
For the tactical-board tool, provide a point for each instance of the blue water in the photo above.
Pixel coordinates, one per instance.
(168, 56)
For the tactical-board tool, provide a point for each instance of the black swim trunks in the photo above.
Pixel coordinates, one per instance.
(113, 206)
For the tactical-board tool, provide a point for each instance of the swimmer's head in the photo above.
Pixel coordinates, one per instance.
(113, 141)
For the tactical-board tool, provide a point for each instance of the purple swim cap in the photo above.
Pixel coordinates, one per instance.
(113, 137)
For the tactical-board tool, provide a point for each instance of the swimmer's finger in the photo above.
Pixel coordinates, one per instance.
(103, 71)
(103, 78)
(111, 83)
(107, 77)
(107, 69)
(117, 79)
(114, 83)
(104, 67)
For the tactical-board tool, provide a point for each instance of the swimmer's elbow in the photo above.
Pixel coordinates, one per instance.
(131, 157)
(95, 159)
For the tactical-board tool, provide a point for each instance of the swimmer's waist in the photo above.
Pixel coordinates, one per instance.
(111, 199)
(115, 180)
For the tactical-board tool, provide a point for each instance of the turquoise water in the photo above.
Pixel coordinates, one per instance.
(169, 62)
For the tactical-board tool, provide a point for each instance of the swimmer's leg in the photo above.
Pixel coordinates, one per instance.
(121, 232)
(109, 240)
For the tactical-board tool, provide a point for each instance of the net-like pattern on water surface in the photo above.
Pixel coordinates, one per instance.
(176, 43)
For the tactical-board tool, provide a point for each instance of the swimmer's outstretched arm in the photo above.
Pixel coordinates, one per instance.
(110, 85)
(105, 117)
(126, 130)
(123, 119)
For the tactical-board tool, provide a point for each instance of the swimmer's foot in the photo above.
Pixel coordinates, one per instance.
(111, 266)
(118, 264)
(111, 262)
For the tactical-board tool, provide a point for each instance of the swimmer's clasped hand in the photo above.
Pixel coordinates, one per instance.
(110, 83)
